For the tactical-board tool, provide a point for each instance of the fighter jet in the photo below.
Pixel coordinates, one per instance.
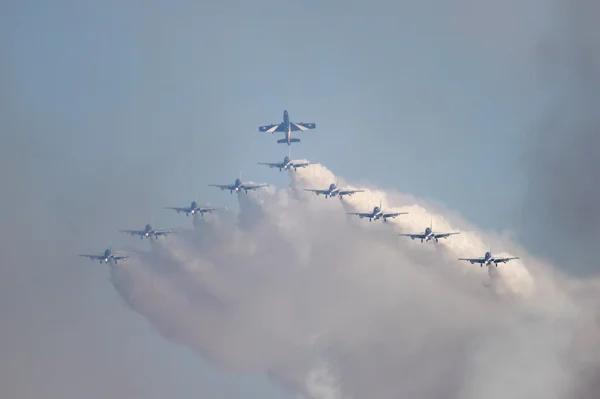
(377, 213)
(429, 235)
(194, 209)
(239, 185)
(333, 190)
(287, 163)
(287, 127)
(107, 257)
(149, 232)
(488, 259)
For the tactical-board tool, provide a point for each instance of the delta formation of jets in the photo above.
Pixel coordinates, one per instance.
(287, 127)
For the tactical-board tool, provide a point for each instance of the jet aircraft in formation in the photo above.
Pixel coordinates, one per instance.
(149, 232)
(489, 259)
(107, 257)
(287, 127)
(194, 209)
(286, 164)
(429, 235)
(334, 190)
(377, 213)
(238, 185)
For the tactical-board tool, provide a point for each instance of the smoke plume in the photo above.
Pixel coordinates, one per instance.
(332, 306)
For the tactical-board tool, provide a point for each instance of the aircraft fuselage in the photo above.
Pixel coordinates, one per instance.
(286, 120)
(287, 127)
(332, 193)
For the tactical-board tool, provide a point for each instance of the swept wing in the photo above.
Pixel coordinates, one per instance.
(299, 164)
(346, 191)
(361, 214)
(272, 128)
(420, 236)
(163, 232)
(444, 235)
(99, 257)
(223, 186)
(178, 209)
(134, 232)
(252, 186)
(504, 260)
(388, 215)
(296, 126)
(209, 209)
(473, 260)
(317, 191)
(272, 164)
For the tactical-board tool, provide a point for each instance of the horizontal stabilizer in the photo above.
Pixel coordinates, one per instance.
(294, 140)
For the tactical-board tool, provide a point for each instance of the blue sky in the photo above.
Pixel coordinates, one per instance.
(116, 109)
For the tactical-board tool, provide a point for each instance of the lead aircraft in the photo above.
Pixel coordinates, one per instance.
(377, 213)
(488, 259)
(287, 127)
(287, 164)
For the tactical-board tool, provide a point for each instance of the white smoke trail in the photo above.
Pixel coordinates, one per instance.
(332, 306)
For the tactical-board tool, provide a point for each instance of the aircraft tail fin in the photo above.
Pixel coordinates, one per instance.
(294, 140)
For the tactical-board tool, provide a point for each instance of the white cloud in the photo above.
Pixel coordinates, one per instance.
(332, 306)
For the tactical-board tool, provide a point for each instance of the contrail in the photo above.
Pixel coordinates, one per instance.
(334, 307)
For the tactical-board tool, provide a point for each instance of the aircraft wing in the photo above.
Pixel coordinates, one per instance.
(177, 209)
(473, 260)
(316, 191)
(134, 232)
(223, 186)
(298, 164)
(346, 191)
(210, 209)
(413, 236)
(92, 256)
(164, 232)
(120, 257)
(271, 165)
(504, 260)
(252, 186)
(393, 214)
(302, 126)
(444, 235)
(360, 214)
(272, 128)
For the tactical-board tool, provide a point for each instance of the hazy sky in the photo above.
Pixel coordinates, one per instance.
(110, 110)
